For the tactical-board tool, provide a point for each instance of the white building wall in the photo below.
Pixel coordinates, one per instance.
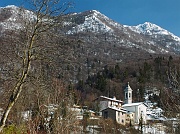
(138, 110)
(142, 111)
(120, 117)
(134, 110)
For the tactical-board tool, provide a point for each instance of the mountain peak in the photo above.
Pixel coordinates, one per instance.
(92, 21)
(149, 25)
(13, 16)
(94, 11)
(149, 29)
(10, 7)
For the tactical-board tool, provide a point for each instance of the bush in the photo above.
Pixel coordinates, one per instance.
(12, 129)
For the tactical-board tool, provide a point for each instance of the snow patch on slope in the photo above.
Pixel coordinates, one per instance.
(92, 23)
(17, 17)
(151, 29)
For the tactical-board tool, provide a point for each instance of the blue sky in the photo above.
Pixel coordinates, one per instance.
(165, 13)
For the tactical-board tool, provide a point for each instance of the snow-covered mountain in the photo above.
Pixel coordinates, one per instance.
(94, 27)
(12, 17)
(151, 29)
(158, 35)
(91, 21)
(92, 40)
(148, 37)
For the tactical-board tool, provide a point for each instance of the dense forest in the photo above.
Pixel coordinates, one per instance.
(162, 73)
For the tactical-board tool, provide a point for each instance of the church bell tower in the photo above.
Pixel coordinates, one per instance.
(128, 94)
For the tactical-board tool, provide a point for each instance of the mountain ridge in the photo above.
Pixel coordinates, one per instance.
(149, 28)
(137, 28)
(87, 43)
(170, 42)
(92, 21)
(147, 37)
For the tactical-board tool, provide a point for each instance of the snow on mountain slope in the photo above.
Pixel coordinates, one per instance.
(151, 29)
(91, 23)
(12, 17)
(163, 38)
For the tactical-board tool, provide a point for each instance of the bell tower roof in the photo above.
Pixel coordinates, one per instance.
(128, 88)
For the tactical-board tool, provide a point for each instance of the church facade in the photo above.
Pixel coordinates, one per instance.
(138, 108)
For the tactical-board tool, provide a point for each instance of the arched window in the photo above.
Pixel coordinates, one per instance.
(126, 96)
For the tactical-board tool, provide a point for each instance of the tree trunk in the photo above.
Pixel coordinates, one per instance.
(19, 85)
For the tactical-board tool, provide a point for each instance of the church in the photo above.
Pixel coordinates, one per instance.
(138, 108)
(123, 112)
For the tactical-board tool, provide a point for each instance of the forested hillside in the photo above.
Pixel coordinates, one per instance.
(162, 73)
(58, 61)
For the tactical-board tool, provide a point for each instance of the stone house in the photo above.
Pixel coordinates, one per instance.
(117, 114)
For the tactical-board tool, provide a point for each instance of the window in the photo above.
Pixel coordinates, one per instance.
(129, 95)
(106, 114)
(122, 121)
(126, 96)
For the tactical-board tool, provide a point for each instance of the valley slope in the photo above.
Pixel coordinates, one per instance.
(89, 41)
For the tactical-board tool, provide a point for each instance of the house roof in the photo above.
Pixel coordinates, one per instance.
(134, 104)
(158, 110)
(116, 109)
(111, 99)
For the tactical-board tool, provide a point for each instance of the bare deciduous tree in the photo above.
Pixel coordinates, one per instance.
(40, 24)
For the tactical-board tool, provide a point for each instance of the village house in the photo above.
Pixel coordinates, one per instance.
(105, 102)
(112, 108)
(117, 114)
(123, 112)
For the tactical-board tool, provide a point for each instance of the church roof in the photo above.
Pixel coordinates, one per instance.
(134, 104)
